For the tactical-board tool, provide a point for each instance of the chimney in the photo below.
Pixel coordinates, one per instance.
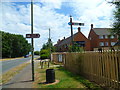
(91, 26)
(58, 41)
(78, 29)
(64, 37)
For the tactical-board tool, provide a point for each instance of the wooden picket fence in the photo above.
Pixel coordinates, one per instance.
(102, 68)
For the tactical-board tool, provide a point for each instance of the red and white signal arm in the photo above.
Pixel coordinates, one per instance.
(32, 35)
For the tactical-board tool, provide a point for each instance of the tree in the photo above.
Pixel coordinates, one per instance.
(36, 52)
(75, 48)
(14, 45)
(116, 24)
(49, 45)
(46, 49)
(44, 54)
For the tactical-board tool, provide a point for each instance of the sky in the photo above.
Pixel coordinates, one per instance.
(54, 14)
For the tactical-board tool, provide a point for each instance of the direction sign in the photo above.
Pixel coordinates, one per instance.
(75, 23)
(81, 24)
(32, 35)
(69, 23)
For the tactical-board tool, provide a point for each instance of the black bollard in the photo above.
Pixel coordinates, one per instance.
(42, 65)
(48, 64)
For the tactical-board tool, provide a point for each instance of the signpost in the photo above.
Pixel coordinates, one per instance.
(32, 41)
(32, 36)
(71, 29)
(73, 23)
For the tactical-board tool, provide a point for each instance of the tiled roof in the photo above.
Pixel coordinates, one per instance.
(65, 41)
(102, 31)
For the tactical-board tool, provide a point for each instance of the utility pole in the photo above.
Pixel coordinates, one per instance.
(32, 40)
(49, 44)
(71, 30)
(49, 40)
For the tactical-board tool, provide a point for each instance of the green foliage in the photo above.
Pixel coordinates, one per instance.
(75, 48)
(44, 54)
(116, 24)
(48, 45)
(46, 49)
(14, 45)
(36, 52)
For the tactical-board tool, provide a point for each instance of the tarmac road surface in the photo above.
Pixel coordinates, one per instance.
(8, 64)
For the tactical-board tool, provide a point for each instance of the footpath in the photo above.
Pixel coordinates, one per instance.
(21, 80)
(65, 79)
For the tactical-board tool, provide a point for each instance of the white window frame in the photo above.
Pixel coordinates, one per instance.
(112, 43)
(106, 43)
(106, 36)
(101, 37)
(101, 44)
(90, 38)
(112, 37)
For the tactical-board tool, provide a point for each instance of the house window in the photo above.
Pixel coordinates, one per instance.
(80, 43)
(101, 37)
(101, 43)
(106, 36)
(90, 38)
(112, 36)
(113, 43)
(106, 43)
(117, 36)
(66, 46)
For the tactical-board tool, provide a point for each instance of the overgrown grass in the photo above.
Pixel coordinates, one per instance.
(66, 79)
(7, 76)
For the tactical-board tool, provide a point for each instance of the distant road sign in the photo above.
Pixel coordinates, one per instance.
(75, 23)
(32, 35)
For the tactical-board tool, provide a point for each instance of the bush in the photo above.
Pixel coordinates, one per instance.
(75, 48)
(36, 52)
(44, 54)
(44, 51)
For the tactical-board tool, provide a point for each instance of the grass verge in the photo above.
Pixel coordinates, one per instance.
(10, 58)
(7, 76)
(66, 79)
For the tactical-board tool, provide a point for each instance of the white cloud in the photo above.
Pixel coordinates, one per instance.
(97, 12)
(16, 18)
(52, 3)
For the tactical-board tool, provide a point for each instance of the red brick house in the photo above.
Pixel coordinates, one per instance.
(79, 38)
(101, 38)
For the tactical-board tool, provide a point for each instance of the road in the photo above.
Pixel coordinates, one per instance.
(7, 65)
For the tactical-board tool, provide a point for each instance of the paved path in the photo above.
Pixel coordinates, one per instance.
(7, 65)
(21, 80)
